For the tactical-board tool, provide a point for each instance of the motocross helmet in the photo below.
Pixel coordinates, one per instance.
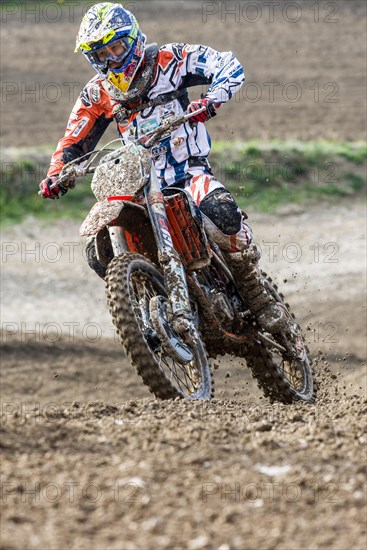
(110, 38)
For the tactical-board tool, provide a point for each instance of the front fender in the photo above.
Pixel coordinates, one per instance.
(101, 215)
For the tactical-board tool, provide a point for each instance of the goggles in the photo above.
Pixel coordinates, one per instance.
(116, 52)
(88, 47)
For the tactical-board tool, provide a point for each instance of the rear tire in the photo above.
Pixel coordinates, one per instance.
(280, 376)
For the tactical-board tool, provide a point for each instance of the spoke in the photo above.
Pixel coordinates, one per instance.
(143, 289)
(160, 360)
(176, 375)
(185, 375)
(164, 360)
(291, 375)
(181, 369)
(287, 374)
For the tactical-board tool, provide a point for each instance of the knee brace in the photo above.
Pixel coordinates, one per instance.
(224, 221)
(221, 208)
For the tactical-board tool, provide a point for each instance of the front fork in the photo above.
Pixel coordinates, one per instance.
(118, 240)
(169, 259)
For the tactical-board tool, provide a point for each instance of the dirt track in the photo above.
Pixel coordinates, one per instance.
(111, 467)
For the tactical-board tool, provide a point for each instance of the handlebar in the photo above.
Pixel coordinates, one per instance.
(171, 124)
(73, 170)
(69, 172)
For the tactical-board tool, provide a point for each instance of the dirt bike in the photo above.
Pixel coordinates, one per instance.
(170, 291)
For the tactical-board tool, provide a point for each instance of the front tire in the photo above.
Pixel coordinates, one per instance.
(132, 282)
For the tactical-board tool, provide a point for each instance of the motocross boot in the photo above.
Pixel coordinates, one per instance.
(250, 284)
(247, 275)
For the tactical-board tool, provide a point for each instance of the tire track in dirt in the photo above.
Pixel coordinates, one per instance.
(138, 473)
(111, 467)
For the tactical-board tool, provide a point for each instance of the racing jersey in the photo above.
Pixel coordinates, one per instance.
(178, 66)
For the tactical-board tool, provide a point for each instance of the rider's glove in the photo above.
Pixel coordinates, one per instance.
(45, 188)
(204, 115)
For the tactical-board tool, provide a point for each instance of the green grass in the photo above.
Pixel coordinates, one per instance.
(19, 192)
(271, 174)
(73, 206)
(261, 175)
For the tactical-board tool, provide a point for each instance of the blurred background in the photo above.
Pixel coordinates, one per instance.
(304, 64)
(295, 130)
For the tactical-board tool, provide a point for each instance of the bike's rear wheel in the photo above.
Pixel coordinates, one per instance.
(282, 375)
(132, 283)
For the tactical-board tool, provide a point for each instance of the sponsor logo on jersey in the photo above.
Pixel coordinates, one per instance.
(73, 118)
(167, 114)
(177, 49)
(190, 48)
(157, 151)
(148, 126)
(84, 121)
(177, 141)
(90, 94)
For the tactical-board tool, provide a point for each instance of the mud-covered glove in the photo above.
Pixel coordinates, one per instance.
(47, 193)
(210, 105)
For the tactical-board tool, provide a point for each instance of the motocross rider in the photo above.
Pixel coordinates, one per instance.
(139, 85)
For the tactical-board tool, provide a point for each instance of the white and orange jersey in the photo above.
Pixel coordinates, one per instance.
(178, 66)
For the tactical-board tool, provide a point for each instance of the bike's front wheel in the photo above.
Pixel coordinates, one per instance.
(169, 366)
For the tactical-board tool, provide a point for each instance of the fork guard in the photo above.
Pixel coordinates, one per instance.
(100, 215)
